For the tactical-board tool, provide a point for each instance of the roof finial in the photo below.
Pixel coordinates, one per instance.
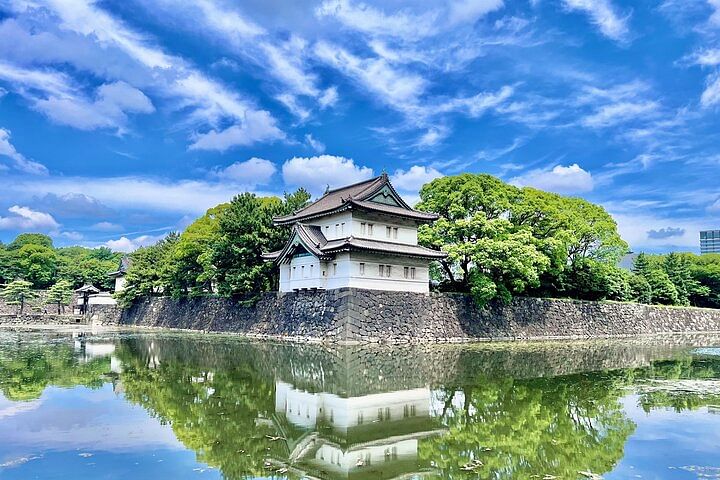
(384, 173)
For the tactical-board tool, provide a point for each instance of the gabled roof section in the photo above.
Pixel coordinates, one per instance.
(376, 194)
(309, 237)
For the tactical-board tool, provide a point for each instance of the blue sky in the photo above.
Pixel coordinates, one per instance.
(121, 121)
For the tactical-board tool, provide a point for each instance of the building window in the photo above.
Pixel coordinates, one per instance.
(337, 229)
(412, 273)
(360, 418)
(381, 270)
(370, 229)
(363, 228)
(387, 271)
(406, 272)
(327, 230)
(311, 271)
(388, 232)
(334, 269)
(302, 271)
(362, 269)
(342, 228)
(395, 233)
(293, 273)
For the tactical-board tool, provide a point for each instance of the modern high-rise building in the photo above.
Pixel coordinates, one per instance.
(710, 241)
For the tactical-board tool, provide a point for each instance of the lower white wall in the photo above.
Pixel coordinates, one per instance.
(345, 272)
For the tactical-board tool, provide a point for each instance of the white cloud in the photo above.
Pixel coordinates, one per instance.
(256, 171)
(316, 173)
(470, 10)
(433, 136)
(314, 143)
(127, 245)
(109, 109)
(715, 206)
(329, 97)
(559, 179)
(257, 126)
(27, 219)
(71, 235)
(394, 87)
(478, 104)
(634, 228)
(84, 36)
(711, 95)
(20, 162)
(106, 227)
(414, 178)
(613, 114)
(367, 19)
(137, 193)
(604, 15)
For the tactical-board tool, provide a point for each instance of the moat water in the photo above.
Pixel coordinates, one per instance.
(157, 405)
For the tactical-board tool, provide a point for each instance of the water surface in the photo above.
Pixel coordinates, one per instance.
(152, 405)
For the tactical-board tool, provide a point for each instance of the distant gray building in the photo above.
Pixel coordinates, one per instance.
(710, 241)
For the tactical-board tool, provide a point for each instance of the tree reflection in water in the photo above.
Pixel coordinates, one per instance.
(262, 409)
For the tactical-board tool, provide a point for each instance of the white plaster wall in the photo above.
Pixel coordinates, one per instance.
(397, 281)
(119, 283)
(303, 272)
(406, 234)
(328, 225)
(334, 457)
(341, 279)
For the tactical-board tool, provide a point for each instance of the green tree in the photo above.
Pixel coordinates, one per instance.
(82, 266)
(246, 230)
(18, 292)
(640, 290)
(30, 239)
(190, 270)
(662, 288)
(38, 264)
(591, 279)
(145, 275)
(641, 265)
(60, 294)
(502, 240)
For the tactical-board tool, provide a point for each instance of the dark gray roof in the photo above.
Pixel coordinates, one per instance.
(310, 237)
(354, 243)
(355, 195)
(87, 289)
(123, 267)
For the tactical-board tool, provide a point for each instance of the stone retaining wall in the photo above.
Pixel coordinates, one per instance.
(351, 315)
(34, 319)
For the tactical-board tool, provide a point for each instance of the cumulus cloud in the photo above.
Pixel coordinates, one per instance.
(256, 171)
(559, 179)
(604, 15)
(414, 178)
(127, 245)
(667, 232)
(26, 219)
(20, 162)
(316, 173)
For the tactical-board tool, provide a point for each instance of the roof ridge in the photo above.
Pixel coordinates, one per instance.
(351, 185)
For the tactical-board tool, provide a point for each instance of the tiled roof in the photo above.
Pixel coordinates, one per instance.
(354, 195)
(314, 241)
(354, 243)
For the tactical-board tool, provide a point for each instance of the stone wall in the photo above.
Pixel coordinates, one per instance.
(350, 315)
(36, 305)
(35, 319)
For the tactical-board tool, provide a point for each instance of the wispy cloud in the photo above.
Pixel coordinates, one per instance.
(605, 16)
(19, 161)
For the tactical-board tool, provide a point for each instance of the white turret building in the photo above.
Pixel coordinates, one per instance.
(360, 236)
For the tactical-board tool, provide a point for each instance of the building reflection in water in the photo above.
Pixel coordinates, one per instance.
(373, 436)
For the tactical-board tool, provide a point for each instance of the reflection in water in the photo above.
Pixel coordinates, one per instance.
(263, 409)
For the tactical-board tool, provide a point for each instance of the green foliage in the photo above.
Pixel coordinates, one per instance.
(60, 294)
(32, 257)
(640, 290)
(30, 239)
(26, 370)
(145, 276)
(502, 240)
(246, 231)
(17, 292)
